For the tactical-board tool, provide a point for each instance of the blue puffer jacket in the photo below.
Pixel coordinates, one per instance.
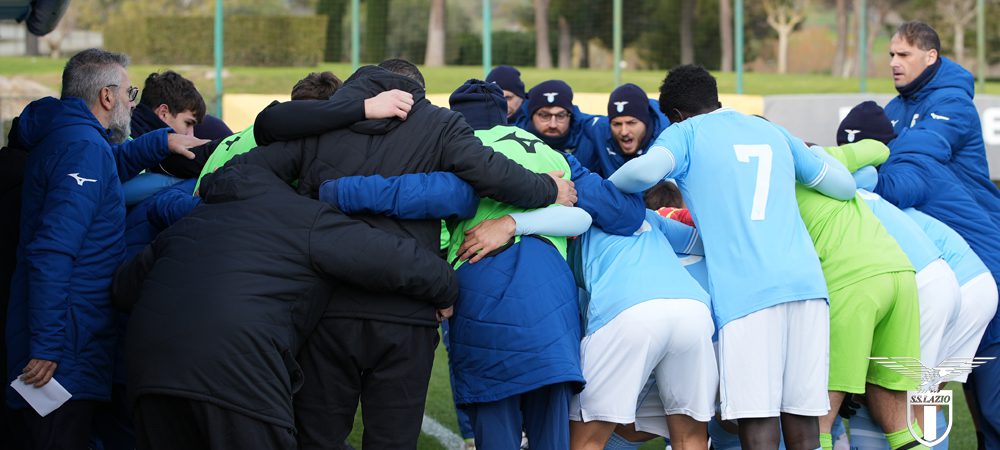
(72, 241)
(516, 326)
(604, 156)
(938, 164)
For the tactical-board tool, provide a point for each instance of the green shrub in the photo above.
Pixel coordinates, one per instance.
(249, 40)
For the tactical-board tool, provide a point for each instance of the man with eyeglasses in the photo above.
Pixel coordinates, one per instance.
(60, 323)
(554, 119)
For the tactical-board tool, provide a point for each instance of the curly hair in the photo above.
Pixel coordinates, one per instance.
(688, 88)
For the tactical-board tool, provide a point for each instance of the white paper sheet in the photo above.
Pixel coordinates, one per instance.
(44, 399)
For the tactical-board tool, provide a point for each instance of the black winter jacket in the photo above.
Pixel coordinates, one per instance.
(430, 139)
(224, 298)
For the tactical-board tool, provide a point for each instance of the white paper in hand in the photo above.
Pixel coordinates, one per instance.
(44, 399)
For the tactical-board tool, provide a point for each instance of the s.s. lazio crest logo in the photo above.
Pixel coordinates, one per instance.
(929, 397)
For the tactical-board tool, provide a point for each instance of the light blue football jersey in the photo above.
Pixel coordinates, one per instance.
(737, 174)
(622, 271)
(955, 251)
(919, 248)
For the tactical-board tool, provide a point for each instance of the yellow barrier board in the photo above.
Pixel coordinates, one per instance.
(239, 110)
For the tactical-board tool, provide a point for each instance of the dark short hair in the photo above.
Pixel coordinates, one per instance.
(920, 35)
(171, 89)
(316, 86)
(688, 88)
(663, 194)
(91, 70)
(404, 68)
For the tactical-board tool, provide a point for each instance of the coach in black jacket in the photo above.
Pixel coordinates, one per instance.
(376, 347)
(224, 298)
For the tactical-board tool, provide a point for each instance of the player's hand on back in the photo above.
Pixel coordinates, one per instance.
(485, 237)
(567, 190)
(389, 104)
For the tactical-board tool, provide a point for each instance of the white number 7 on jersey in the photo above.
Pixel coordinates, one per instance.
(763, 184)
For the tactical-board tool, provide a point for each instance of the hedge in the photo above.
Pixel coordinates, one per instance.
(249, 40)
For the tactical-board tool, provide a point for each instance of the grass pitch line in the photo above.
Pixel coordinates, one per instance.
(448, 439)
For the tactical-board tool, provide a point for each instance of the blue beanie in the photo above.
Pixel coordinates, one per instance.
(629, 100)
(508, 78)
(212, 128)
(550, 93)
(865, 121)
(481, 103)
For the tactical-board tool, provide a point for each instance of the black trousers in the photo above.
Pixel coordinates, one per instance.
(66, 428)
(164, 422)
(385, 366)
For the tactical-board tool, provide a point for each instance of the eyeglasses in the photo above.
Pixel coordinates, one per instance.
(545, 117)
(133, 92)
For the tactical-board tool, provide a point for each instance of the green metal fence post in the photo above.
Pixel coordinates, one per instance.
(355, 34)
(218, 58)
(616, 17)
(738, 36)
(981, 44)
(487, 37)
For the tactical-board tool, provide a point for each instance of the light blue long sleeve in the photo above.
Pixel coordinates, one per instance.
(639, 174)
(837, 182)
(552, 221)
(866, 178)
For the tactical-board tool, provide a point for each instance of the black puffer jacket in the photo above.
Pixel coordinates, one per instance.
(224, 297)
(430, 139)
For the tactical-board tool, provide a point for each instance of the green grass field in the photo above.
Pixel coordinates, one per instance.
(270, 80)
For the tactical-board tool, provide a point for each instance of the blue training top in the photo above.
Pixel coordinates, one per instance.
(608, 266)
(919, 248)
(738, 173)
(955, 251)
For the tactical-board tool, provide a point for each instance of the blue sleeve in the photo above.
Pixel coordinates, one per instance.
(134, 156)
(639, 174)
(834, 180)
(417, 196)
(954, 119)
(70, 206)
(145, 185)
(556, 220)
(905, 179)
(590, 143)
(866, 178)
(612, 210)
(683, 238)
(172, 204)
(668, 157)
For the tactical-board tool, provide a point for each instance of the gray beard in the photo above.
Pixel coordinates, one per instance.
(121, 123)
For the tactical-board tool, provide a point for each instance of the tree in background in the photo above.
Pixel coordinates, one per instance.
(726, 35)
(376, 29)
(686, 32)
(784, 16)
(543, 56)
(334, 11)
(959, 14)
(839, 68)
(434, 56)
